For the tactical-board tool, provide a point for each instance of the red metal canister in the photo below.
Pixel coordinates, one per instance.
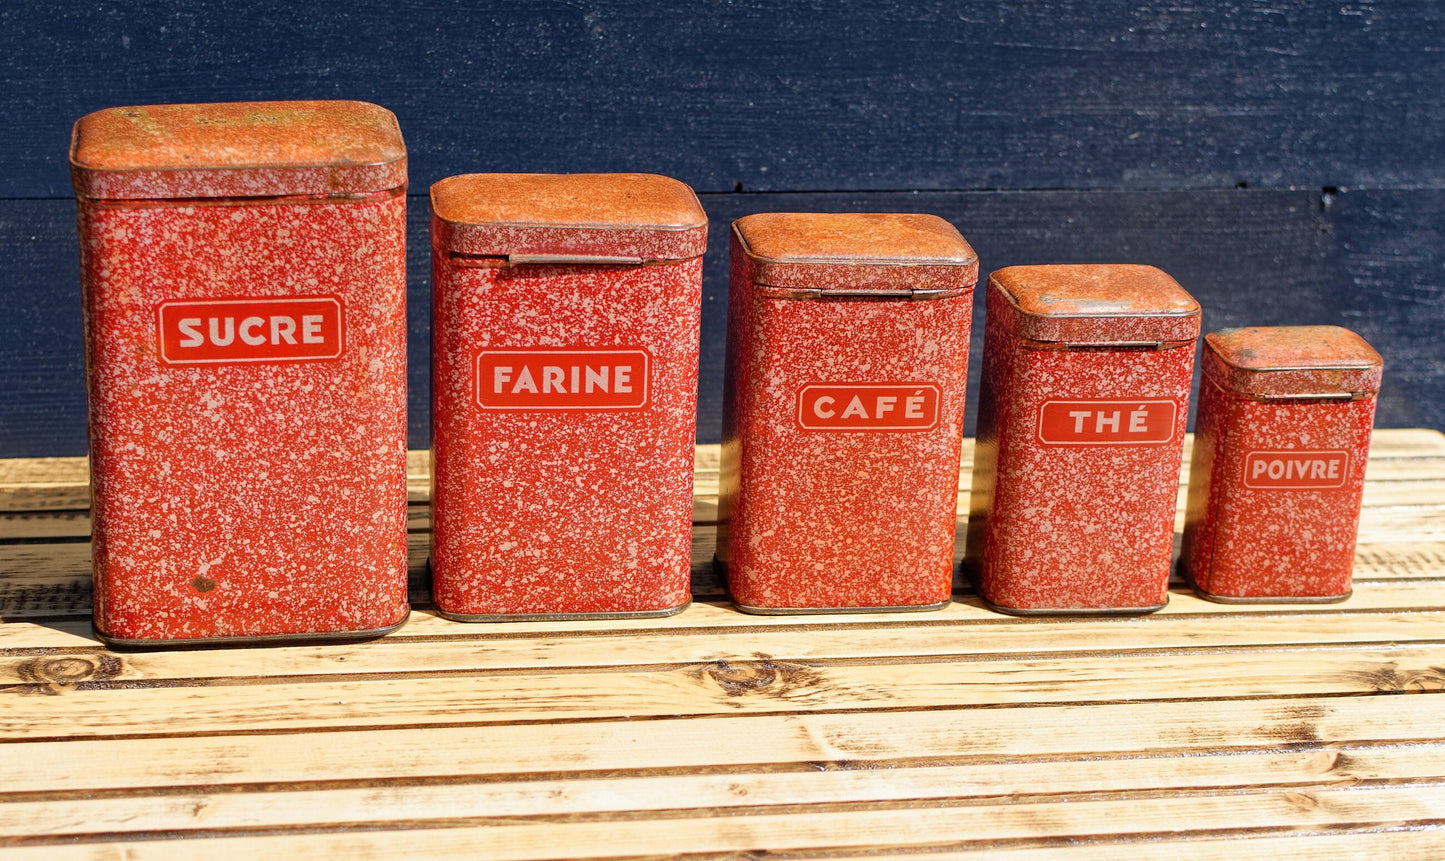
(847, 357)
(1080, 430)
(1278, 466)
(564, 394)
(244, 279)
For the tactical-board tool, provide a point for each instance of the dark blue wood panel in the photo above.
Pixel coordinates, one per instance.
(795, 96)
(42, 366)
(1207, 139)
(1370, 260)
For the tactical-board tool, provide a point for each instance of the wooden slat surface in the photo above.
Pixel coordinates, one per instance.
(1203, 731)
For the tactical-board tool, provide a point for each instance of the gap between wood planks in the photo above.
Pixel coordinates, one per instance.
(1101, 822)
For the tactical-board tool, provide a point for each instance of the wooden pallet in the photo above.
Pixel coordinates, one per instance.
(1204, 731)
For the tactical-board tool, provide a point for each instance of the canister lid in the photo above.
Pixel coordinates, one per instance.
(568, 217)
(1292, 362)
(237, 149)
(856, 251)
(1094, 304)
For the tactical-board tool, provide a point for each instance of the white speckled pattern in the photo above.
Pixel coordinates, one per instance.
(255, 499)
(1248, 536)
(559, 512)
(816, 519)
(1059, 528)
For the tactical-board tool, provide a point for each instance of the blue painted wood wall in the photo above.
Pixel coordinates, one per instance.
(1284, 160)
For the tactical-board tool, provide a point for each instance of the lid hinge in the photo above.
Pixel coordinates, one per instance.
(913, 295)
(508, 261)
(1341, 397)
(574, 260)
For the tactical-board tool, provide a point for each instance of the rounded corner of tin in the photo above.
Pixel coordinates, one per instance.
(1072, 611)
(1268, 599)
(149, 644)
(463, 617)
(755, 610)
(108, 641)
(603, 616)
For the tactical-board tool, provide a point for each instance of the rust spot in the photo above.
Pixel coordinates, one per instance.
(55, 676)
(201, 584)
(764, 676)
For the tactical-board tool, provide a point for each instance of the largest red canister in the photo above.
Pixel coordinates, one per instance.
(243, 269)
(566, 310)
(1085, 392)
(847, 359)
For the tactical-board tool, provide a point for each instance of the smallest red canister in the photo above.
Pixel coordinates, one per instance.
(1278, 465)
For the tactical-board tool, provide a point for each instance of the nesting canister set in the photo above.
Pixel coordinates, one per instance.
(244, 287)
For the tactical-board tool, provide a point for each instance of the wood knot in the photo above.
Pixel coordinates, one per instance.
(57, 675)
(764, 676)
(742, 678)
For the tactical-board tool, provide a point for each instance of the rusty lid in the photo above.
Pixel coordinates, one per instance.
(573, 217)
(237, 149)
(839, 252)
(1292, 362)
(1093, 304)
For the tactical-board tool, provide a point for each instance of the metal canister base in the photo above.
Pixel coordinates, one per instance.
(1070, 611)
(306, 639)
(823, 611)
(1270, 599)
(562, 617)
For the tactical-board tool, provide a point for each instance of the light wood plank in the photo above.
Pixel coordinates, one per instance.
(725, 686)
(966, 823)
(825, 740)
(30, 525)
(1016, 781)
(1403, 843)
(1406, 442)
(968, 633)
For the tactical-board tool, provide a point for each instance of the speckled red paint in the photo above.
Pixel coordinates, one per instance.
(1080, 432)
(1278, 466)
(256, 488)
(843, 416)
(564, 394)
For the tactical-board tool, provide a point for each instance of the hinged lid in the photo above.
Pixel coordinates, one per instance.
(559, 218)
(1095, 305)
(856, 253)
(1292, 362)
(237, 149)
